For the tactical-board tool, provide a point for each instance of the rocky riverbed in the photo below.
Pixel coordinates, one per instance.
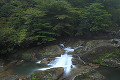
(87, 59)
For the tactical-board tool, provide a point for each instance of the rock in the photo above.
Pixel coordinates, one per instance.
(50, 74)
(9, 65)
(46, 61)
(77, 61)
(117, 33)
(93, 49)
(96, 52)
(79, 70)
(78, 43)
(53, 51)
(90, 75)
(5, 74)
(10, 77)
(39, 55)
(92, 44)
(116, 42)
(112, 63)
(20, 62)
(33, 57)
(24, 77)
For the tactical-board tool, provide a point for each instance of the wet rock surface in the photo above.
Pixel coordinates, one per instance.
(53, 50)
(90, 75)
(10, 77)
(94, 49)
(96, 52)
(112, 63)
(47, 60)
(50, 74)
(92, 44)
(80, 70)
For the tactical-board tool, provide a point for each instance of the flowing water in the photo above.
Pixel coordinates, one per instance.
(65, 60)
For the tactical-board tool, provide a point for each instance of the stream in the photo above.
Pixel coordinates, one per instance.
(65, 61)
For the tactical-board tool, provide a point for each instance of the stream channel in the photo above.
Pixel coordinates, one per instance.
(65, 61)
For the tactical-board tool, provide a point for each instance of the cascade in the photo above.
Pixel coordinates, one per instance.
(65, 60)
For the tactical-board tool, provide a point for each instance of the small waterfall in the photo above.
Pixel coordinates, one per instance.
(78, 47)
(81, 60)
(65, 60)
(38, 62)
(62, 45)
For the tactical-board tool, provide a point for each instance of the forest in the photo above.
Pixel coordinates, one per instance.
(25, 23)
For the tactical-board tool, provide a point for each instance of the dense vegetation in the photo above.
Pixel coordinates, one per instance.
(34, 22)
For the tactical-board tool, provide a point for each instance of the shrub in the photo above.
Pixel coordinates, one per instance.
(26, 56)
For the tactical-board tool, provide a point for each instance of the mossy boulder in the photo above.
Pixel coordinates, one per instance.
(102, 52)
(96, 52)
(50, 74)
(111, 59)
(91, 75)
(93, 44)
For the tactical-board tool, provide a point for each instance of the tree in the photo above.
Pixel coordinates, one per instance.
(6, 10)
(94, 18)
(112, 6)
(80, 3)
(39, 32)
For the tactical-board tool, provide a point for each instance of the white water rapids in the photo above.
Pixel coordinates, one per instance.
(65, 60)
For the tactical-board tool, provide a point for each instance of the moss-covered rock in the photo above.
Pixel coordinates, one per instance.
(50, 74)
(111, 59)
(93, 44)
(97, 52)
(37, 53)
(91, 75)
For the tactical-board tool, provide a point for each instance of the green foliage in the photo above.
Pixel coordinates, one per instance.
(41, 33)
(26, 56)
(34, 77)
(112, 6)
(94, 18)
(40, 21)
(80, 3)
(6, 10)
(9, 37)
(109, 56)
